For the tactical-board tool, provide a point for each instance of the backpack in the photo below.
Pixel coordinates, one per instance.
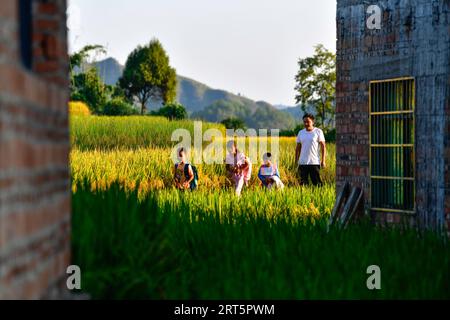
(194, 182)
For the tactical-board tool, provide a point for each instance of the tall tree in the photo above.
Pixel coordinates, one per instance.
(316, 84)
(148, 75)
(78, 58)
(85, 84)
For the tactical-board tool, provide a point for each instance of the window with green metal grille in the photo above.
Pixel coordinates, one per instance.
(392, 164)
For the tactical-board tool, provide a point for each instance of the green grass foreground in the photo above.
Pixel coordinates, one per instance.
(211, 245)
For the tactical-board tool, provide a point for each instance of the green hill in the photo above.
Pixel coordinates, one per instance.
(196, 96)
(203, 102)
(256, 115)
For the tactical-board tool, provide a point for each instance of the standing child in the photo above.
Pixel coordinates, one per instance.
(239, 167)
(269, 174)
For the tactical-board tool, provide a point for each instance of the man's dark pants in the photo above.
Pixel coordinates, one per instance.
(310, 171)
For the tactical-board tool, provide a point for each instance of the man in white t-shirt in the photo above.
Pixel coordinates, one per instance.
(307, 155)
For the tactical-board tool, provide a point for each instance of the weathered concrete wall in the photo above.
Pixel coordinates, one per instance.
(414, 40)
(34, 148)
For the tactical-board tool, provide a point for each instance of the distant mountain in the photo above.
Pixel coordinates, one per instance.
(110, 70)
(295, 111)
(203, 102)
(257, 115)
(282, 106)
(196, 96)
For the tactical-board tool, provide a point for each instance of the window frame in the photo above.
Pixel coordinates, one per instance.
(403, 145)
(25, 13)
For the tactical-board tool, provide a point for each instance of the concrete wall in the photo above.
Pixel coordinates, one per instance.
(414, 40)
(34, 148)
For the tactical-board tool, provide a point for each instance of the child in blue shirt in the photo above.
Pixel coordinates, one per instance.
(268, 173)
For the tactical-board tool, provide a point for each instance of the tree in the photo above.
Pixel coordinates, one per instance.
(316, 83)
(78, 58)
(86, 85)
(172, 111)
(89, 88)
(234, 123)
(148, 75)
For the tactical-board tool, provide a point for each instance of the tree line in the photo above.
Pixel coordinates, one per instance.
(148, 76)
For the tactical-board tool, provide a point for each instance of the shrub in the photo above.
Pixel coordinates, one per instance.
(330, 135)
(234, 123)
(172, 111)
(78, 108)
(292, 133)
(118, 107)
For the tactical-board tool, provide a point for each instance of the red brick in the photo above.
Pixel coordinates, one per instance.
(47, 8)
(50, 47)
(8, 9)
(47, 66)
(46, 25)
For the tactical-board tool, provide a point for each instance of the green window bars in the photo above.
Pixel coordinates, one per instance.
(391, 135)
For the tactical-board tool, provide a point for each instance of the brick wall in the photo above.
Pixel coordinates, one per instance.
(414, 40)
(447, 156)
(34, 147)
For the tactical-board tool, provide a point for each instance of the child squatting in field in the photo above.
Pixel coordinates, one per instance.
(268, 173)
(239, 167)
(183, 172)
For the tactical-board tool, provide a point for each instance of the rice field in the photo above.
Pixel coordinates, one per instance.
(136, 237)
(131, 156)
(127, 133)
(151, 168)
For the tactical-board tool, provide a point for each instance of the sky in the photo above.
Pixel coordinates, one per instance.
(247, 47)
